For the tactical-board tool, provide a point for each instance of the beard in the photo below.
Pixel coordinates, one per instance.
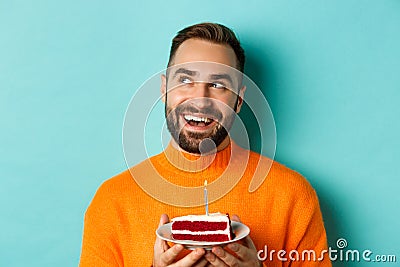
(192, 141)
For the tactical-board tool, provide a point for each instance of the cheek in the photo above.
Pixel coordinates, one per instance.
(174, 99)
(227, 103)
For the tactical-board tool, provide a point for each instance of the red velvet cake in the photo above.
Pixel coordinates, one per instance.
(215, 227)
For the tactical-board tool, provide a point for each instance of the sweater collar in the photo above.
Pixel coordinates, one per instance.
(188, 162)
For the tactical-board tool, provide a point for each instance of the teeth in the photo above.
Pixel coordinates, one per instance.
(197, 119)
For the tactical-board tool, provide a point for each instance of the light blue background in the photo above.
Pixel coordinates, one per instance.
(329, 69)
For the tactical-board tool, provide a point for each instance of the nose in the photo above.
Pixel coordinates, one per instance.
(201, 90)
(201, 95)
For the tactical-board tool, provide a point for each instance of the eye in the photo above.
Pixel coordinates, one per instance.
(217, 85)
(185, 80)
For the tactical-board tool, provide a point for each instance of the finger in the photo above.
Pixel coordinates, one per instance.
(160, 245)
(225, 257)
(163, 219)
(191, 258)
(235, 218)
(243, 252)
(247, 240)
(249, 243)
(169, 256)
(214, 260)
(201, 263)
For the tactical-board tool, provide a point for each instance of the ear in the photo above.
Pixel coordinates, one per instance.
(240, 100)
(163, 87)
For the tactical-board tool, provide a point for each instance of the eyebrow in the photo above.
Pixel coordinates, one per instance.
(185, 71)
(221, 77)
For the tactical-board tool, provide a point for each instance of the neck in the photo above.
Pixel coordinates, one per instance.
(224, 144)
(192, 162)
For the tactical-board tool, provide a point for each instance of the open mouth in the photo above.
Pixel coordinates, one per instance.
(198, 120)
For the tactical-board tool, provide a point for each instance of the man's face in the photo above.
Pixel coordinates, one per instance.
(203, 93)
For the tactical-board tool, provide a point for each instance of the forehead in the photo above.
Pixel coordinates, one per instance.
(194, 50)
(203, 70)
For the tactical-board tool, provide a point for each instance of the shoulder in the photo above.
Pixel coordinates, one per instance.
(110, 192)
(122, 184)
(281, 178)
(289, 177)
(116, 183)
(124, 180)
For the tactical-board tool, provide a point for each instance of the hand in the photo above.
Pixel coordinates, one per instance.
(246, 254)
(165, 255)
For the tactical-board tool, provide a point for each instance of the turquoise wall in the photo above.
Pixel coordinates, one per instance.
(329, 69)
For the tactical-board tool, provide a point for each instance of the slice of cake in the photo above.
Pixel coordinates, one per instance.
(215, 227)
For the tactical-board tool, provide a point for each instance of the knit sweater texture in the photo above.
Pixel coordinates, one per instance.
(282, 211)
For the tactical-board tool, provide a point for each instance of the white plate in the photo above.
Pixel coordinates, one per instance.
(239, 229)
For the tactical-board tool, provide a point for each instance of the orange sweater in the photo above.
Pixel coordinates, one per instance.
(283, 213)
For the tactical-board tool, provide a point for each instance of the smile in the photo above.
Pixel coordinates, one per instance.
(198, 120)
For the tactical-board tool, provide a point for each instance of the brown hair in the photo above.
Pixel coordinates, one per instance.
(212, 32)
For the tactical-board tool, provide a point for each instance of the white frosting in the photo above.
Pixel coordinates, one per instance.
(212, 217)
(187, 232)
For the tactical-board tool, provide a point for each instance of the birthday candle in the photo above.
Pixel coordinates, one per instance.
(206, 196)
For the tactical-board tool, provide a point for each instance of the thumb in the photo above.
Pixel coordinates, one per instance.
(163, 220)
(236, 218)
(160, 244)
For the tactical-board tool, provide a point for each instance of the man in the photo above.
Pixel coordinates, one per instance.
(203, 92)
